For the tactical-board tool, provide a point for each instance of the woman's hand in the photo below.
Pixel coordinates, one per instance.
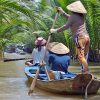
(42, 63)
(60, 10)
(53, 30)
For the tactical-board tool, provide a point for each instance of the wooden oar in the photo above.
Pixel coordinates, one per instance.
(37, 72)
(33, 82)
(48, 43)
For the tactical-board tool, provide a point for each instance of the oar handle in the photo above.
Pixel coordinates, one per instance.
(55, 20)
(50, 33)
(48, 43)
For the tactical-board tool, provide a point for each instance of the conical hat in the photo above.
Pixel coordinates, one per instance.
(77, 7)
(58, 48)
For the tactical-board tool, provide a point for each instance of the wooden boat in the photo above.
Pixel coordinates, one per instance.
(70, 84)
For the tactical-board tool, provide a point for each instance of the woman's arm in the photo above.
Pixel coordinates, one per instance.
(65, 14)
(66, 26)
(60, 10)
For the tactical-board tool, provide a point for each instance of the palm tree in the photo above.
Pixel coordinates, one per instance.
(21, 20)
(16, 18)
(93, 26)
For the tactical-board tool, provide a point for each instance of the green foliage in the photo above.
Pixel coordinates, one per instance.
(17, 18)
(21, 21)
(92, 19)
(93, 22)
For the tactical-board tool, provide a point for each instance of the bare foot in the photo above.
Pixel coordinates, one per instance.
(86, 72)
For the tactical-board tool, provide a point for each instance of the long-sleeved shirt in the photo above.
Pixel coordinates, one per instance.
(59, 62)
(37, 56)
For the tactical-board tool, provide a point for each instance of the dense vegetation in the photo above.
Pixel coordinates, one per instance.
(22, 20)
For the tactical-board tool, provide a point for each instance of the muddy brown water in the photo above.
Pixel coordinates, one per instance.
(14, 85)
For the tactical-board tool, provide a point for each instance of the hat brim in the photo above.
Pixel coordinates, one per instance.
(77, 7)
(43, 42)
(58, 48)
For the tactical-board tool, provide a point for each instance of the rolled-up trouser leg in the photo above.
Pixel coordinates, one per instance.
(82, 60)
(86, 57)
(82, 50)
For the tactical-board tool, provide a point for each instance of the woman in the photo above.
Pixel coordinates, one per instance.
(58, 57)
(38, 54)
(77, 25)
(39, 51)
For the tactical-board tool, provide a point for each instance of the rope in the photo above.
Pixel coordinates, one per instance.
(87, 89)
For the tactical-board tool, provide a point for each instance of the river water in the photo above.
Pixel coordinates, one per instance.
(14, 85)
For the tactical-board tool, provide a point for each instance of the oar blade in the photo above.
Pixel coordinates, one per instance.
(34, 82)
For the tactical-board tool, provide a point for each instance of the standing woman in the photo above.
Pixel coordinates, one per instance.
(77, 25)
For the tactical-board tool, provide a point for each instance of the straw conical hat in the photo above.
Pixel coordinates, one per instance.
(77, 7)
(58, 48)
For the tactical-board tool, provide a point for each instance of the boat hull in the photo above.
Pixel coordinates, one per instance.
(75, 85)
